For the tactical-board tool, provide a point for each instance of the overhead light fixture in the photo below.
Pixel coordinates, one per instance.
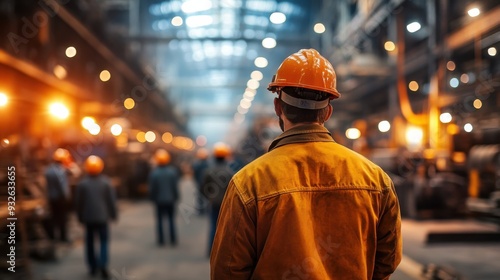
(116, 129)
(94, 129)
(167, 137)
(492, 51)
(253, 84)
(445, 117)
(150, 136)
(70, 52)
(464, 78)
(59, 110)
(129, 103)
(3, 99)
(413, 27)
(105, 75)
(473, 12)
(277, 18)
(269, 43)
(87, 122)
(384, 126)
(454, 82)
(352, 133)
(261, 62)
(389, 46)
(450, 65)
(468, 127)
(413, 86)
(319, 28)
(257, 75)
(199, 21)
(477, 104)
(194, 6)
(60, 72)
(177, 21)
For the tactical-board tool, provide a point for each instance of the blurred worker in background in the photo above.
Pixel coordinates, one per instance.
(164, 192)
(95, 204)
(59, 195)
(199, 167)
(309, 208)
(215, 182)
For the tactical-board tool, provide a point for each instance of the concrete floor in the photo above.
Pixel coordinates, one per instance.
(134, 254)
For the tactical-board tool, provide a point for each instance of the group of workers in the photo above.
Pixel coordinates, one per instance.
(309, 208)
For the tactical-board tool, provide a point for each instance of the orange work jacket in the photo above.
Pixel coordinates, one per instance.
(308, 209)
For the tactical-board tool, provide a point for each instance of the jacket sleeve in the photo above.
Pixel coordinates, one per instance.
(233, 251)
(389, 241)
(111, 197)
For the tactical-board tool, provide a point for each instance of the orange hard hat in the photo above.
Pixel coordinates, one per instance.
(94, 165)
(60, 155)
(221, 150)
(202, 153)
(162, 157)
(306, 69)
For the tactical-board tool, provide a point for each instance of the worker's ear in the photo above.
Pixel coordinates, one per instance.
(329, 113)
(277, 107)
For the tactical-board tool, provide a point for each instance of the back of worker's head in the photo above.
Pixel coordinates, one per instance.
(202, 154)
(60, 155)
(162, 157)
(221, 151)
(305, 83)
(94, 165)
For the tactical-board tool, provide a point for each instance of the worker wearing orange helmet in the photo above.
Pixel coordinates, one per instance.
(58, 195)
(95, 204)
(215, 182)
(164, 192)
(309, 208)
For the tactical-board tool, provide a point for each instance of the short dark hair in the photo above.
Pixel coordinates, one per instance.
(298, 115)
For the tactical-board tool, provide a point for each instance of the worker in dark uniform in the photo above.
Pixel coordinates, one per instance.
(199, 167)
(95, 202)
(58, 195)
(215, 182)
(164, 192)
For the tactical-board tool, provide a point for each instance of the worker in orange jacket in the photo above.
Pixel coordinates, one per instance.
(309, 208)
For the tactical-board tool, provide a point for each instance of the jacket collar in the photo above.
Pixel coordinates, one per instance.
(302, 134)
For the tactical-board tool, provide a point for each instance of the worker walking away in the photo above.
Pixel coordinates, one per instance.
(309, 207)
(58, 195)
(215, 182)
(95, 203)
(199, 167)
(164, 192)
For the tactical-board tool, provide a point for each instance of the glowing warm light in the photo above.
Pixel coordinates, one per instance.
(452, 129)
(450, 65)
(245, 104)
(116, 129)
(87, 122)
(167, 137)
(261, 62)
(413, 27)
(413, 86)
(241, 110)
(474, 12)
(105, 75)
(464, 78)
(477, 104)
(248, 96)
(269, 43)
(445, 117)
(277, 18)
(384, 126)
(94, 129)
(60, 72)
(492, 51)
(150, 136)
(177, 21)
(3, 99)
(141, 136)
(257, 75)
(389, 46)
(414, 136)
(319, 28)
(129, 103)
(459, 157)
(253, 84)
(353, 133)
(5, 142)
(201, 140)
(70, 52)
(59, 110)
(468, 127)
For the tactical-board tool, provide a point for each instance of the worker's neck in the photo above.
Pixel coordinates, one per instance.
(288, 125)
